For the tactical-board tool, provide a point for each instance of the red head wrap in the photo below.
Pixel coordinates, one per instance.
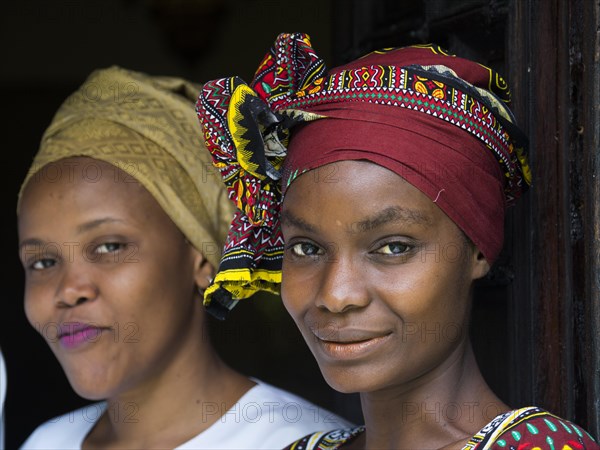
(439, 121)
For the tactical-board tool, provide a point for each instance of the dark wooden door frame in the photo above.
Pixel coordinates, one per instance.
(553, 52)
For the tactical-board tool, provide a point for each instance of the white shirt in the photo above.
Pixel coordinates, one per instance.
(2, 397)
(265, 417)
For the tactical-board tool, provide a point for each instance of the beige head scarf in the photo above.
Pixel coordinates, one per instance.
(147, 127)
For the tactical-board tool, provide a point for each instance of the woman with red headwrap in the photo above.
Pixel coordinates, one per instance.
(383, 208)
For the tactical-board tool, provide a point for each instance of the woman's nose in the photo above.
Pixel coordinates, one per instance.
(342, 285)
(76, 286)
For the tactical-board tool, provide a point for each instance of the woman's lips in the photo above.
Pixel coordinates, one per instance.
(74, 335)
(350, 345)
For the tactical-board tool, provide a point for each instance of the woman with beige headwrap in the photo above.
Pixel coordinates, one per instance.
(121, 223)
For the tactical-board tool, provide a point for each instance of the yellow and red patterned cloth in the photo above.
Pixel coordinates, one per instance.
(439, 121)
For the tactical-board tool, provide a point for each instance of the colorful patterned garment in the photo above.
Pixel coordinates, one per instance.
(420, 92)
(522, 429)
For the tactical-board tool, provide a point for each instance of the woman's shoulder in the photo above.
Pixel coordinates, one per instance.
(293, 408)
(265, 417)
(66, 431)
(530, 428)
(526, 428)
(327, 440)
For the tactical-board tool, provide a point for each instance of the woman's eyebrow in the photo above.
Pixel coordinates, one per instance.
(387, 215)
(391, 214)
(31, 243)
(95, 223)
(289, 218)
(80, 229)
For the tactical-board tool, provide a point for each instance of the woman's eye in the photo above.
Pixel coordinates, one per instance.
(393, 248)
(305, 249)
(42, 264)
(109, 247)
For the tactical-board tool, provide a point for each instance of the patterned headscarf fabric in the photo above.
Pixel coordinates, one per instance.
(145, 126)
(439, 121)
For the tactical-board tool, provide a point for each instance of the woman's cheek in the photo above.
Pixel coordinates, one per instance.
(289, 301)
(294, 298)
(32, 309)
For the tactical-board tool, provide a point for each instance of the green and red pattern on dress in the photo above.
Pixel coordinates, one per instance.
(529, 428)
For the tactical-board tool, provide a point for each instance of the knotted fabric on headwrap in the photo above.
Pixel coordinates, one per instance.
(439, 121)
(145, 126)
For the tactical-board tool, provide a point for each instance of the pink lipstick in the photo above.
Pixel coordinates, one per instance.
(73, 335)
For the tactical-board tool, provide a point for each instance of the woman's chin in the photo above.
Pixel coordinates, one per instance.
(89, 394)
(347, 381)
(91, 386)
(89, 391)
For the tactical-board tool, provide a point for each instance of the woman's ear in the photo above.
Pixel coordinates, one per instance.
(204, 271)
(480, 265)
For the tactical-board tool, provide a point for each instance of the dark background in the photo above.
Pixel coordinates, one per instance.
(536, 318)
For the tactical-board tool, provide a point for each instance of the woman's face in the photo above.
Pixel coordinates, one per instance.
(376, 277)
(110, 280)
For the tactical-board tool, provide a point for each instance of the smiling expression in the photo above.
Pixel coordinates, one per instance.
(110, 280)
(376, 277)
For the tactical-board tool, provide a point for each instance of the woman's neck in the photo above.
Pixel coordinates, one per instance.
(180, 402)
(441, 409)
